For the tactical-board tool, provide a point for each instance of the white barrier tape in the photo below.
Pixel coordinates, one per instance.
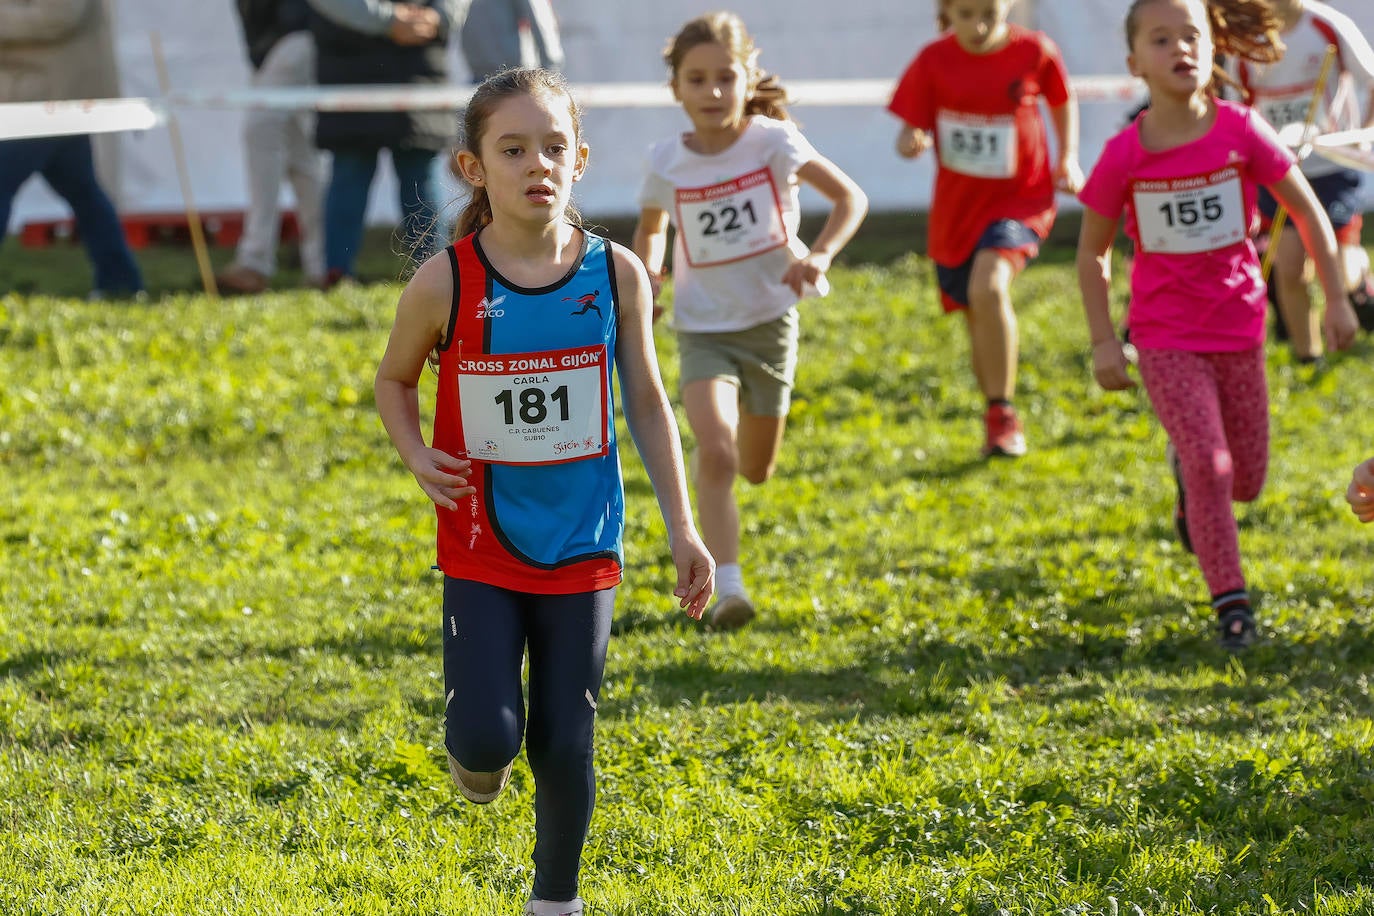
(26, 120)
(1346, 137)
(92, 116)
(1352, 157)
(1349, 148)
(853, 93)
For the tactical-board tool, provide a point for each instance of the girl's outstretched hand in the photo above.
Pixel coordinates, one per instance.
(442, 476)
(1360, 493)
(696, 575)
(1110, 366)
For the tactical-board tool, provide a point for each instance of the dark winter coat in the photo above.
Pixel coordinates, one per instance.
(347, 57)
(266, 22)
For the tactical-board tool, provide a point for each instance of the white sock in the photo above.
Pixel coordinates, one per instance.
(554, 908)
(730, 581)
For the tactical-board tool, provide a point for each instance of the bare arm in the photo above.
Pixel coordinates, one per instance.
(421, 316)
(651, 245)
(1068, 176)
(654, 430)
(849, 206)
(1094, 264)
(1293, 191)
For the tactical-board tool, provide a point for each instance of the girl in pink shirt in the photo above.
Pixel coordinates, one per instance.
(1184, 178)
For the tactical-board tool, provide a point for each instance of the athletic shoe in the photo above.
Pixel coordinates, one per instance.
(1004, 436)
(479, 788)
(239, 279)
(730, 613)
(571, 907)
(1180, 507)
(1236, 627)
(1362, 301)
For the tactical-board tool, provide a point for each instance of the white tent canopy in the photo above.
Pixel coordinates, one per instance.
(605, 41)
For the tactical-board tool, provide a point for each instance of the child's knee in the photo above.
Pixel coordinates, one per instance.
(1247, 488)
(757, 472)
(482, 748)
(716, 461)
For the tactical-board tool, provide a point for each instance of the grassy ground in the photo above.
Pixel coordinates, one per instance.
(975, 688)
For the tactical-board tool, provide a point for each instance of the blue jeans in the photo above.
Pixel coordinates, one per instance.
(345, 204)
(68, 166)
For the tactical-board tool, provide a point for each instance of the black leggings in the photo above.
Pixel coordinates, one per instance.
(486, 632)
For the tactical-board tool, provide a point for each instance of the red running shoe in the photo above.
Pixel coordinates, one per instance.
(1005, 438)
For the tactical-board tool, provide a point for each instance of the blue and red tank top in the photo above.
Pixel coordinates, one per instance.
(525, 393)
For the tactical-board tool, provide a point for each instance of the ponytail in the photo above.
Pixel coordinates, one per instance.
(1244, 29)
(769, 99)
(475, 215)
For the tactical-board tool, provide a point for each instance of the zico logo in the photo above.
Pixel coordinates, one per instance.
(488, 309)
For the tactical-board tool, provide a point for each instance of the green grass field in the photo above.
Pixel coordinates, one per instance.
(974, 688)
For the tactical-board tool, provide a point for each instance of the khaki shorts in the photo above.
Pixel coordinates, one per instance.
(761, 361)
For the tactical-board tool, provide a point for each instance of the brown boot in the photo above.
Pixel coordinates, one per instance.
(239, 279)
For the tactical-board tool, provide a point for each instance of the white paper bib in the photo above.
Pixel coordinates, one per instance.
(547, 407)
(983, 146)
(1190, 215)
(731, 220)
(1289, 107)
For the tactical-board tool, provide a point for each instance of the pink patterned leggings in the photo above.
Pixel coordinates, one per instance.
(1215, 408)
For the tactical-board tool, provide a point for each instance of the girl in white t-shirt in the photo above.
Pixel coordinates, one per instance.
(1281, 92)
(729, 187)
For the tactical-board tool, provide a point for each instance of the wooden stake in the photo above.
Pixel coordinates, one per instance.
(1280, 214)
(207, 274)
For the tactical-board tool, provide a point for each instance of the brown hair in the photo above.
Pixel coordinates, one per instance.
(1247, 29)
(494, 90)
(766, 96)
(941, 17)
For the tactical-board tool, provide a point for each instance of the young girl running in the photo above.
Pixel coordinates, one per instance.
(1184, 177)
(528, 317)
(1281, 91)
(730, 188)
(973, 94)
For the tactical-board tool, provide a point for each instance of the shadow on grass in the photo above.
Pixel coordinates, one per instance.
(926, 677)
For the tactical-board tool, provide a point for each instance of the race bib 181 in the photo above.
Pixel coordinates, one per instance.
(731, 220)
(535, 408)
(977, 145)
(1190, 215)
